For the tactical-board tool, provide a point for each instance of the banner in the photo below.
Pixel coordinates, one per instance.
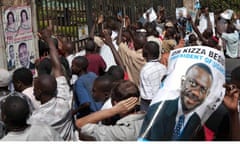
(18, 33)
(193, 87)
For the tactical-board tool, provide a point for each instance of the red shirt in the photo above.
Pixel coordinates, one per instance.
(96, 63)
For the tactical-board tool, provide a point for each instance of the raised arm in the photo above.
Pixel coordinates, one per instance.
(231, 102)
(97, 22)
(120, 108)
(108, 41)
(196, 30)
(56, 65)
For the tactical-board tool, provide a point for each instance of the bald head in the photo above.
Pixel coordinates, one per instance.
(45, 87)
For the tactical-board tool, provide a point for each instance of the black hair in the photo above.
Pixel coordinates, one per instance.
(67, 70)
(152, 48)
(123, 90)
(44, 66)
(82, 62)
(10, 13)
(151, 29)
(106, 82)
(16, 110)
(116, 72)
(90, 45)
(43, 48)
(23, 75)
(202, 66)
(24, 11)
(22, 44)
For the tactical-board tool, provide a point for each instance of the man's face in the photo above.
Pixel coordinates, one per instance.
(195, 88)
(36, 89)
(75, 69)
(97, 93)
(11, 52)
(23, 55)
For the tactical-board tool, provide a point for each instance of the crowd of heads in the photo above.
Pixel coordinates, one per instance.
(113, 83)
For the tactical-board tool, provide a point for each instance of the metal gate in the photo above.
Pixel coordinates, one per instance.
(135, 8)
(67, 16)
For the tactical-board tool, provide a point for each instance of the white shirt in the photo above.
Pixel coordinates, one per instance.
(57, 111)
(150, 78)
(107, 104)
(125, 129)
(231, 44)
(72, 56)
(107, 55)
(34, 133)
(202, 23)
(29, 93)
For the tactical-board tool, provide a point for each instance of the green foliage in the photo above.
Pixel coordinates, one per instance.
(221, 5)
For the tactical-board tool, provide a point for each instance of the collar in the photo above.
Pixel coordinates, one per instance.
(180, 112)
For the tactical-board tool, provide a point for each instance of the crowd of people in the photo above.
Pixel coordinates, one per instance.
(104, 92)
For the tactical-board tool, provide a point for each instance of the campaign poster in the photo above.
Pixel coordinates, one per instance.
(151, 13)
(193, 87)
(181, 12)
(18, 34)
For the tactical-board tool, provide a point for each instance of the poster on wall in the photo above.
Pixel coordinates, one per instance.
(18, 34)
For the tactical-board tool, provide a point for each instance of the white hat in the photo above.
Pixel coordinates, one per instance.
(227, 14)
(5, 77)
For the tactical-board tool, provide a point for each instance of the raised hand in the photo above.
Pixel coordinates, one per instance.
(231, 97)
(126, 105)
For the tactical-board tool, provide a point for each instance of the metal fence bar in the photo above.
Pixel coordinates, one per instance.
(68, 15)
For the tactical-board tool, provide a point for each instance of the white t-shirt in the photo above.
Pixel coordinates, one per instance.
(34, 133)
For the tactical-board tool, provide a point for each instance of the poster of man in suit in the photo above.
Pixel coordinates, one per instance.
(19, 37)
(191, 92)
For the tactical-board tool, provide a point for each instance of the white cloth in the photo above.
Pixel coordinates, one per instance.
(81, 53)
(72, 56)
(231, 44)
(107, 104)
(126, 129)
(202, 23)
(70, 59)
(57, 111)
(150, 79)
(34, 133)
(114, 35)
(29, 93)
(107, 55)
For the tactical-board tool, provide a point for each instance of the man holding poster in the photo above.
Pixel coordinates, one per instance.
(188, 95)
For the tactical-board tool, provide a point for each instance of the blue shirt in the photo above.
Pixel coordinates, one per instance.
(82, 92)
